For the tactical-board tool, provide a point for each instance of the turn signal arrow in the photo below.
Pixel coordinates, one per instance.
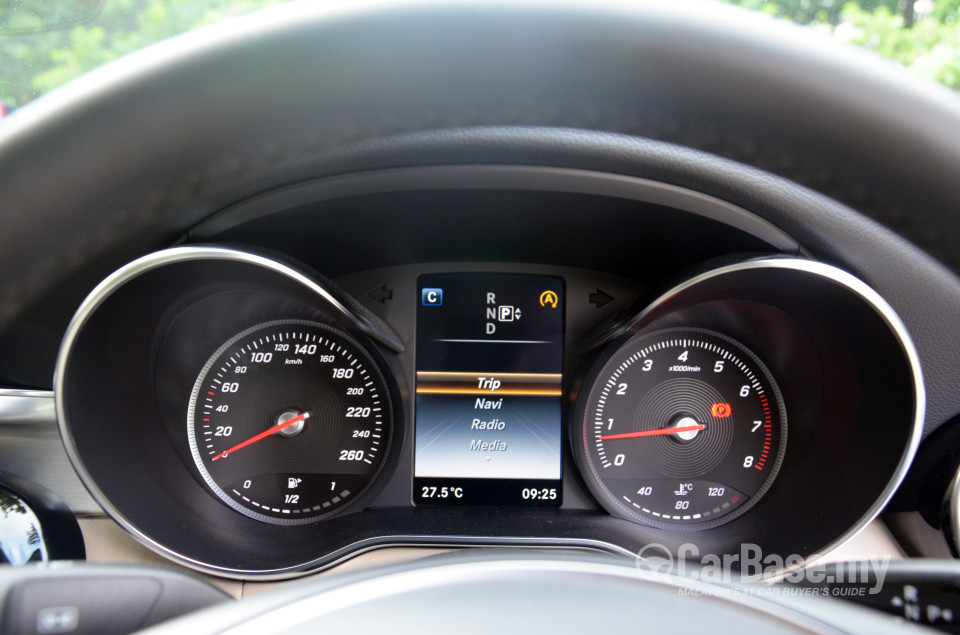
(381, 294)
(600, 298)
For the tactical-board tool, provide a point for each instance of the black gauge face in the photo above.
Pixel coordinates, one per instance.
(683, 428)
(290, 422)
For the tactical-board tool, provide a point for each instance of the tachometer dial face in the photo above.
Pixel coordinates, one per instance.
(290, 422)
(682, 428)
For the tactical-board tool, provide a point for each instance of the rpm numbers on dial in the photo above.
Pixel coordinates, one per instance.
(290, 421)
(683, 428)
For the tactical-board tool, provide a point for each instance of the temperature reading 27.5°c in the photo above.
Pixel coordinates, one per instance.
(683, 428)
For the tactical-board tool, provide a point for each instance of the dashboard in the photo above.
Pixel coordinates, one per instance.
(262, 420)
(619, 308)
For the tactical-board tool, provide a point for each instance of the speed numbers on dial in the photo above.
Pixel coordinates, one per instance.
(683, 428)
(290, 421)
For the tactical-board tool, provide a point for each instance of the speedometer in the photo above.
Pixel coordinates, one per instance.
(683, 428)
(289, 422)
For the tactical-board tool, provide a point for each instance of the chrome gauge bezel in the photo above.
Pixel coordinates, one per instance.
(765, 295)
(161, 482)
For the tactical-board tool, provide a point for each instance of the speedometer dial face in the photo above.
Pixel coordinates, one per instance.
(683, 428)
(290, 422)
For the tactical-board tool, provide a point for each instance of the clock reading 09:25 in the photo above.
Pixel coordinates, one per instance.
(539, 493)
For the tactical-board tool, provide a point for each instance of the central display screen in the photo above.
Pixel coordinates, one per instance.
(488, 406)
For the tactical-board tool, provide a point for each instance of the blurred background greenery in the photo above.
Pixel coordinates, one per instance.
(921, 35)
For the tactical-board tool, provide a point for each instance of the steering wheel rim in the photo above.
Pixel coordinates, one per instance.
(131, 156)
(557, 592)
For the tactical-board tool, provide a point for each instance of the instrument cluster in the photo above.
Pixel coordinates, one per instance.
(242, 414)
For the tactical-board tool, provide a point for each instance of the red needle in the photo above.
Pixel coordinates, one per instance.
(263, 435)
(653, 433)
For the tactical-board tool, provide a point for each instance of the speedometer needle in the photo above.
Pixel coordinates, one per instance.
(263, 435)
(653, 433)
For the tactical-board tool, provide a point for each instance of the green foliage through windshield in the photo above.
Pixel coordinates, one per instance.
(923, 36)
(35, 63)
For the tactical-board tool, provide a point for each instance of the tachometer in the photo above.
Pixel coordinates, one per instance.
(290, 421)
(682, 428)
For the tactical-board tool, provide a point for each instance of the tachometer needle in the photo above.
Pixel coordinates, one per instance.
(653, 433)
(263, 435)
